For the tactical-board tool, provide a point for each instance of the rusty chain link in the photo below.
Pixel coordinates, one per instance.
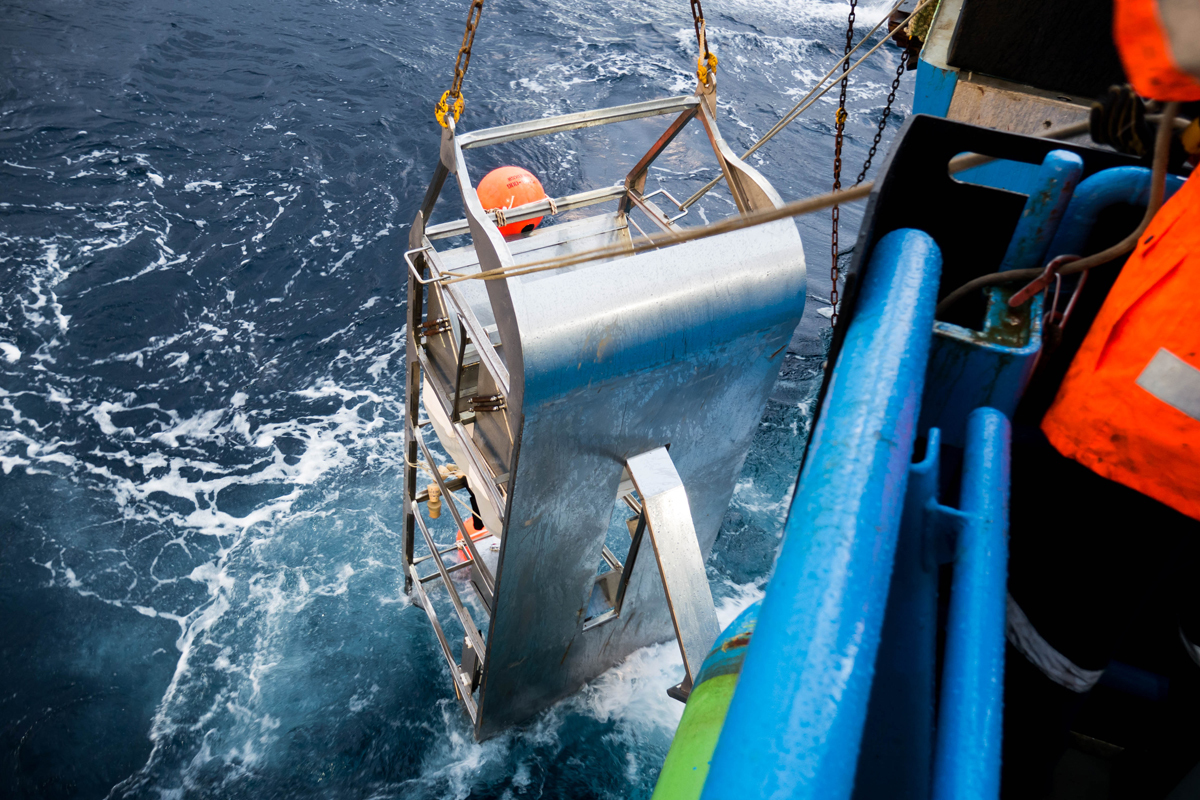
(461, 63)
(837, 165)
(887, 112)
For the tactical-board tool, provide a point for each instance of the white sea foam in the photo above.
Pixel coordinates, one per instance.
(195, 186)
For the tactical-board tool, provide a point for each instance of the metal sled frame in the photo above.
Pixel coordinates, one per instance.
(498, 359)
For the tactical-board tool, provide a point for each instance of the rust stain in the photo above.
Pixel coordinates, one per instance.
(603, 344)
(565, 652)
(741, 640)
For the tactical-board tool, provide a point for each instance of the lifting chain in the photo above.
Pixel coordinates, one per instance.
(837, 165)
(887, 112)
(454, 93)
(707, 62)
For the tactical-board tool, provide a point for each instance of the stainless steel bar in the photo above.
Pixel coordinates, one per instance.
(468, 446)
(723, 154)
(463, 685)
(464, 616)
(611, 558)
(412, 267)
(645, 235)
(539, 208)
(458, 372)
(412, 413)
(683, 212)
(680, 563)
(452, 568)
(493, 255)
(581, 119)
(634, 546)
(600, 619)
(442, 552)
(483, 344)
(488, 580)
(440, 173)
(652, 211)
(636, 179)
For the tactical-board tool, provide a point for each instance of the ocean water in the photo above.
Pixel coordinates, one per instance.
(202, 213)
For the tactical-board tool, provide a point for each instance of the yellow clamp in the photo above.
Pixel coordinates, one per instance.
(842, 116)
(443, 108)
(1191, 137)
(703, 67)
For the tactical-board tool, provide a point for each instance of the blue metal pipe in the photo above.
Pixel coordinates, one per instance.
(1056, 180)
(967, 756)
(796, 719)
(1107, 188)
(896, 761)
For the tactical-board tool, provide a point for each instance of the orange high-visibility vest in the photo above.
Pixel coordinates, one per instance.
(1129, 408)
(1159, 43)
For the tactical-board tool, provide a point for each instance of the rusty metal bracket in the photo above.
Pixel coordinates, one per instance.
(435, 327)
(489, 402)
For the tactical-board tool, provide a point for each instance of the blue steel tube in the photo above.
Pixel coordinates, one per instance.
(1094, 194)
(796, 719)
(967, 759)
(1056, 180)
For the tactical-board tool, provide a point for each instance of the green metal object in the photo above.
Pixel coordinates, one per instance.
(686, 766)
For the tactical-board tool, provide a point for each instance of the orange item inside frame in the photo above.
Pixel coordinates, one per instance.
(509, 187)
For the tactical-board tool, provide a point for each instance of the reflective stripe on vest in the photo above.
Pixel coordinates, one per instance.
(1181, 21)
(1174, 381)
(1159, 44)
(1129, 407)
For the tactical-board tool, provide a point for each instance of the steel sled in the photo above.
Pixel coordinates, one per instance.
(636, 377)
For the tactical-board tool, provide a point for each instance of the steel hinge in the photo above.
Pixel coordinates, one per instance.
(435, 327)
(487, 402)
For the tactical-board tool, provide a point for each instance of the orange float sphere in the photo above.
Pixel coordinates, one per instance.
(509, 187)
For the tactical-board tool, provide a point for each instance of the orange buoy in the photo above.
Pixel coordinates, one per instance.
(509, 187)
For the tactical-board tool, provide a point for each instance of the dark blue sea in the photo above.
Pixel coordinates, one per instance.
(203, 210)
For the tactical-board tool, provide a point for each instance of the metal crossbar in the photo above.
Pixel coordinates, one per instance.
(581, 119)
(462, 682)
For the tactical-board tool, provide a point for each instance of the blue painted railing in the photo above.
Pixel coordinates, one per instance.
(1094, 194)
(796, 719)
(857, 577)
(967, 761)
(970, 367)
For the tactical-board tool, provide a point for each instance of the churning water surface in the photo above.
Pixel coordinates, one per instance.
(202, 214)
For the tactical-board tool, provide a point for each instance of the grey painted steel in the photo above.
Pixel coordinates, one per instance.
(570, 122)
(574, 372)
(677, 551)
